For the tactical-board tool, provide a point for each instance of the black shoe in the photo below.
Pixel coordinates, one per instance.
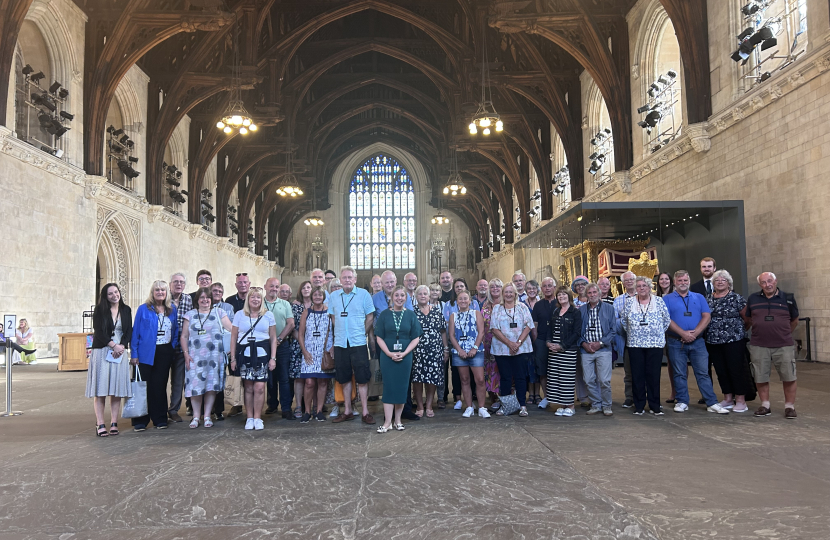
(410, 416)
(287, 415)
(320, 416)
(628, 403)
(373, 398)
(269, 410)
(305, 418)
(16, 347)
(585, 405)
(219, 417)
(190, 411)
(701, 401)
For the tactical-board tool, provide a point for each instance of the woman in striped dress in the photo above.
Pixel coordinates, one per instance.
(565, 327)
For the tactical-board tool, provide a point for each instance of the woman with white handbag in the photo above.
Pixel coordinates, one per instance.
(204, 355)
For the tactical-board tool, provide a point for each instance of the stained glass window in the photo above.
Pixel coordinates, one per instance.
(381, 216)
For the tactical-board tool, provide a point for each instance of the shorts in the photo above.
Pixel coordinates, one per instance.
(475, 361)
(763, 358)
(352, 360)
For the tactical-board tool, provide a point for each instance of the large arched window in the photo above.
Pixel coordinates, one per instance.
(381, 216)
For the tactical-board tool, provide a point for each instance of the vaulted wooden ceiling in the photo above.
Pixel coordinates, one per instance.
(341, 75)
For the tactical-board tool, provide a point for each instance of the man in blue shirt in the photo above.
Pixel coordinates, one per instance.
(352, 313)
(690, 315)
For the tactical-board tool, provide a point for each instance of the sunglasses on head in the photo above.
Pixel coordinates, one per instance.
(242, 274)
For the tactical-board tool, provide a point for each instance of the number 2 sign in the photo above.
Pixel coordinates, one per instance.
(9, 325)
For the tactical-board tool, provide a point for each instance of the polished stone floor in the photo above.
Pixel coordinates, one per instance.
(683, 476)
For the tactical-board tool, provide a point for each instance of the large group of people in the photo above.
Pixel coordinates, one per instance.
(513, 344)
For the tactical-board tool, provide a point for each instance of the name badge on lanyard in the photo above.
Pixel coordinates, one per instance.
(251, 339)
(769, 318)
(687, 313)
(397, 347)
(201, 332)
(160, 333)
(514, 325)
(344, 313)
(315, 334)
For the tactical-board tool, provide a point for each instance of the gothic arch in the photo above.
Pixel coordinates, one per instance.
(63, 63)
(118, 253)
(598, 118)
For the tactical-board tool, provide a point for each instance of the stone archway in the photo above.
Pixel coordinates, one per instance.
(118, 255)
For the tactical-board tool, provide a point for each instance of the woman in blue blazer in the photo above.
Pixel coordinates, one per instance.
(155, 330)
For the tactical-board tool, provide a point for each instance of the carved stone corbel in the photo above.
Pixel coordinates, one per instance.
(193, 230)
(153, 212)
(699, 137)
(623, 180)
(93, 185)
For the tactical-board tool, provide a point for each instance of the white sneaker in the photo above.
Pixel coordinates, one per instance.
(249, 424)
(258, 425)
(33, 362)
(716, 408)
(482, 412)
(559, 411)
(544, 403)
(458, 405)
(467, 413)
(681, 407)
(568, 412)
(335, 412)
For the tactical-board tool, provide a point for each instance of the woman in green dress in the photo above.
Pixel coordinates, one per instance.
(398, 332)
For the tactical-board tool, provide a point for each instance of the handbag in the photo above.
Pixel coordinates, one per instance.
(327, 363)
(509, 404)
(136, 406)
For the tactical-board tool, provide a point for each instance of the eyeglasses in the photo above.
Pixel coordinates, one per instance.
(242, 274)
(203, 278)
(178, 282)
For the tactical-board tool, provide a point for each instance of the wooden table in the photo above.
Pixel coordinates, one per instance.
(73, 354)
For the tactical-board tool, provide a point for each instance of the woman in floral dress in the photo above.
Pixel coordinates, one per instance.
(428, 363)
(316, 334)
(299, 305)
(492, 381)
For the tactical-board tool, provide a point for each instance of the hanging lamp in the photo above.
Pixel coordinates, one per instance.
(236, 116)
(314, 220)
(289, 187)
(455, 184)
(486, 115)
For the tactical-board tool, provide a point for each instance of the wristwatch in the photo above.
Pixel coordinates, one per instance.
(520, 341)
(273, 360)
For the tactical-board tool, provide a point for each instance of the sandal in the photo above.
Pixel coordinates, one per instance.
(500, 413)
(399, 427)
(113, 429)
(383, 429)
(442, 404)
(101, 430)
(208, 422)
(523, 411)
(430, 413)
(194, 423)
(419, 413)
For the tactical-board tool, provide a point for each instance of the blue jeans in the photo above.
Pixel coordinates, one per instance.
(694, 352)
(279, 379)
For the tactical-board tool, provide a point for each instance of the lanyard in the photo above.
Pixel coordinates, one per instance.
(345, 306)
(644, 313)
(161, 321)
(253, 323)
(685, 301)
(465, 324)
(513, 316)
(388, 305)
(398, 321)
(317, 318)
(271, 306)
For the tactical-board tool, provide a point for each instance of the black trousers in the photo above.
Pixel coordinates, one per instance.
(646, 365)
(729, 360)
(156, 377)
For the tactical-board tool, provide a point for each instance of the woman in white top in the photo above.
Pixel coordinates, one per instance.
(510, 324)
(253, 352)
(26, 339)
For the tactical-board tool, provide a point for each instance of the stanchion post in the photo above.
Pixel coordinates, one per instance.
(9, 322)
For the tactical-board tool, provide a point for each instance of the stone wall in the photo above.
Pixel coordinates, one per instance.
(60, 223)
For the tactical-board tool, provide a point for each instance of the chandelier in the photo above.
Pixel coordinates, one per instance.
(440, 219)
(236, 117)
(289, 186)
(454, 183)
(486, 115)
(313, 220)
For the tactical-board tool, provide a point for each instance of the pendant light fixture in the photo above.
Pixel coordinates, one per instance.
(289, 187)
(486, 115)
(314, 220)
(455, 184)
(236, 117)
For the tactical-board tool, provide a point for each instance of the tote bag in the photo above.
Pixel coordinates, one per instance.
(136, 406)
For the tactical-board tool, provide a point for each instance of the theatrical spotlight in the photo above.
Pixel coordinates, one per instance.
(127, 169)
(28, 70)
(37, 77)
(66, 116)
(55, 87)
(748, 40)
(44, 101)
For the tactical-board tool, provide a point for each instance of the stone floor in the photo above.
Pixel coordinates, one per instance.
(683, 476)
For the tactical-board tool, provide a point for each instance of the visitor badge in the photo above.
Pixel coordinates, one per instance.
(687, 313)
(251, 339)
(769, 318)
(202, 332)
(160, 333)
(397, 347)
(315, 334)
(643, 323)
(344, 313)
(514, 325)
